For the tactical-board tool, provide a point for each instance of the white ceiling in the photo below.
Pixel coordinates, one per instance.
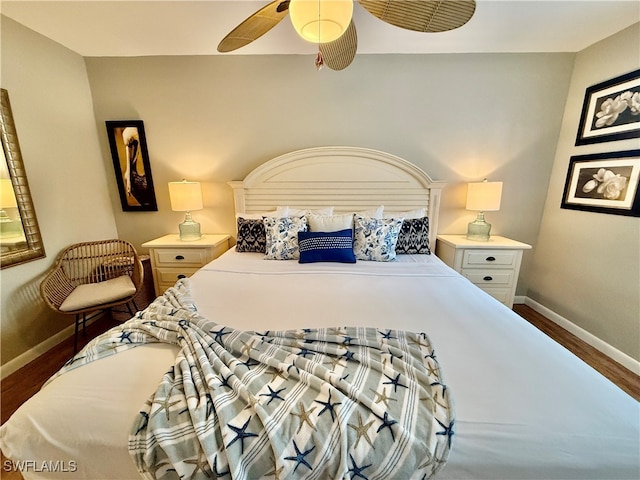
(165, 27)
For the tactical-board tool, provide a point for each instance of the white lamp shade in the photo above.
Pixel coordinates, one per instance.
(185, 196)
(7, 196)
(484, 196)
(320, 21)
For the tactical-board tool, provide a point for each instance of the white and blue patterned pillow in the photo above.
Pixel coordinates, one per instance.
(414, 236)
(375, 238)
(282, 237)
(326, 246)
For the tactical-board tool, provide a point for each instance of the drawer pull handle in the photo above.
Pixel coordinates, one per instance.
(488, 278)
(182, 276)
(490, 259)
(179, 257)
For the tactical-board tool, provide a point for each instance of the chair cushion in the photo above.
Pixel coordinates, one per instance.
(94, 294)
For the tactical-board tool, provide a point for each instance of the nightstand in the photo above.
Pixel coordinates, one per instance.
(493, 266)
(172, 259)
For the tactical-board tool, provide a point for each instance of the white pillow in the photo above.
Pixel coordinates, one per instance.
(372, 212)
(417, 213)
(329, 223)
(299, 212)
(258, 216)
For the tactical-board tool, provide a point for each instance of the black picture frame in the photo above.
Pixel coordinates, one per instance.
(604, 183)
(133, 175)
(611, 110)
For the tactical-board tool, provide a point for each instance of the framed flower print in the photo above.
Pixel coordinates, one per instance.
(604, 183)
(611, 110)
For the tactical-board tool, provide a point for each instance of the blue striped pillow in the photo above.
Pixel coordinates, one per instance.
(326, 246)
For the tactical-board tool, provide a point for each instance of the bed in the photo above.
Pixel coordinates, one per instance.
(524, 407)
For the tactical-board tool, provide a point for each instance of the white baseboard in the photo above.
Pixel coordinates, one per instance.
(23, 359)
(599, 344)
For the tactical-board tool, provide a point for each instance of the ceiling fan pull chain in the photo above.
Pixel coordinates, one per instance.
(319, 60)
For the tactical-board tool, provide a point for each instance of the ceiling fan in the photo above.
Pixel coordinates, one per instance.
(329, 24)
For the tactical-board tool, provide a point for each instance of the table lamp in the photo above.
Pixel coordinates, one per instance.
(186, 197)
(482, 197)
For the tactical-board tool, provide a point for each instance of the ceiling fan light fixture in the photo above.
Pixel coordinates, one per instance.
(320, 21)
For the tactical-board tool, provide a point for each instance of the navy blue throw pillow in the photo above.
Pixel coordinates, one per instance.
(326, 246)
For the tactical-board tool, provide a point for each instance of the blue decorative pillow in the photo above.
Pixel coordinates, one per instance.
(251, 236)
(414, 236)
(282, 237)
(375, 238)
(326, 246)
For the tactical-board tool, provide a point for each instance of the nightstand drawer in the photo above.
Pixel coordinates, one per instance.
(486, 278)
(172, 275)
(492, 266)
(172, 258)
(501, 294)
(494, 258)
(190, 257)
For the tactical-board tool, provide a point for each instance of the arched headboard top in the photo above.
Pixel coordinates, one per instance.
(347, 178)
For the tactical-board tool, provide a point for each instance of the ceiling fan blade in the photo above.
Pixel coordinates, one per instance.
(255, 26)
(422, 15)
(339, 54)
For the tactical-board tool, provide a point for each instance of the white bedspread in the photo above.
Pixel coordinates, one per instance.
(526, 407)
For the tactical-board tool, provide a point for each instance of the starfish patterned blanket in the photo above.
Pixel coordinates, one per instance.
(315, 403)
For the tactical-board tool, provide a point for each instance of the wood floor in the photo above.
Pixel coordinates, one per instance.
(621, 376)
(21, 385)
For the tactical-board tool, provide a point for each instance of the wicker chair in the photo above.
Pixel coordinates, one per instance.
(92, 276)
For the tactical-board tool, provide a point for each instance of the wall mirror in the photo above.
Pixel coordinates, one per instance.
(20, 239)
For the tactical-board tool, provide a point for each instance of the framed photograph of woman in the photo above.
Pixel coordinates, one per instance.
(611, 110)
(604, 183)
(128, 145)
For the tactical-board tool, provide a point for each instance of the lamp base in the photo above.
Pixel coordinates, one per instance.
(189, 230)
(479, 229)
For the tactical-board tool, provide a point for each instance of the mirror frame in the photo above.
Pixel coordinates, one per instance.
(11, 147)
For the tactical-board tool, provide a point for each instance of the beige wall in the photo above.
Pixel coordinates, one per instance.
(458, 117)
(586, 265)
(213, 119)
(52, 110)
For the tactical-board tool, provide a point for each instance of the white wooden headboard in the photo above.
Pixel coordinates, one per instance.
(348, 178)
